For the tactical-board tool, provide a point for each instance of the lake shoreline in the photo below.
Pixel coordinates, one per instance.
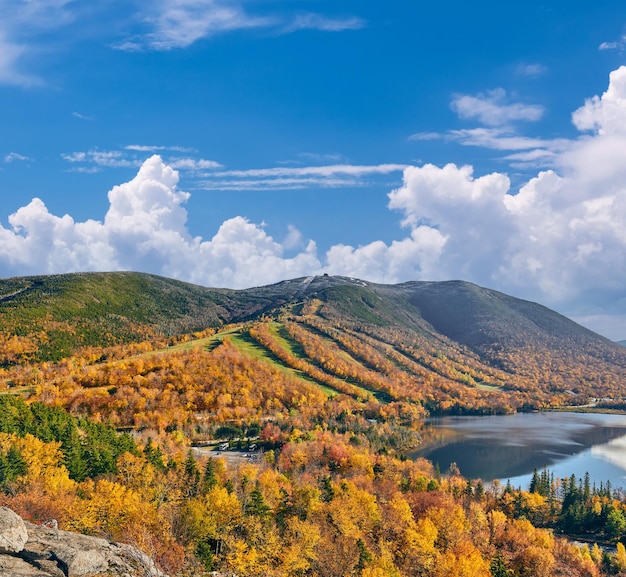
(512, 446)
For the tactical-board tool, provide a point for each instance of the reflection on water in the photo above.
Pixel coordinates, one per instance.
(512, 446)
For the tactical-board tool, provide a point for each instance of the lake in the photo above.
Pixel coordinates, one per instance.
(510, 447)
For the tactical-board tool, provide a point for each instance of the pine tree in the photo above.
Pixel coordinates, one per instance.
(191, 475)
(587, 487)
(256, 505)
(12, 465)
(535, 483)
(153, 455)
(209, 477)
(498, 567)
(328, 492)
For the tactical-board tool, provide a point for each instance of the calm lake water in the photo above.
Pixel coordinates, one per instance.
(512, 446)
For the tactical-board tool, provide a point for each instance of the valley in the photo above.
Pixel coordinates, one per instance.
(116, 376)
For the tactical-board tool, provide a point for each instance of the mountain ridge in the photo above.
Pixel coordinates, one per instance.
(438, 344)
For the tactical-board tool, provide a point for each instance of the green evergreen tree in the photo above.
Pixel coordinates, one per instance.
(209, 477)
(256, 504)
(284, 509)
(153, 455)
(12, 465)
(534, 482)
(328, 493)
(365, 557)
(544, 483)
(498, 567)
(587, 487)
(191, 474)
(204, 554)
(480, 490)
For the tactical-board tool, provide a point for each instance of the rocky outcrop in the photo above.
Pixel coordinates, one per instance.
(13, 534)
(28, 550)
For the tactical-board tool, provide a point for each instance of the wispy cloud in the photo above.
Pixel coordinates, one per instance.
(292, 178)
(162, 25)
(619, 44)
(179, 23)
(499, 139)
(172, 24)
(38, 13)
(312, 21)
(330, 170)
(193, 164)
(132, 156)
(20, 24)
(14, 156)
(306, 158)
(279, 183)
(10, 53)
(321, 157)
(531, 70)
(536, 157)
(152, 148)
(499, 116)
(101, 159)
(525, 151)
(493, 108)
(81, 116)
(426, 136)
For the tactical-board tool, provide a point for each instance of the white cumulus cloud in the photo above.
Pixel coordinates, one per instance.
(561, 235)
(558, 238)
(414, 257)
(145, 229)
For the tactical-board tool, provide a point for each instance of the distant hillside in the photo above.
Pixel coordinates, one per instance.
(499, 327)
(100, 309)
(623, 343)
(441, 346)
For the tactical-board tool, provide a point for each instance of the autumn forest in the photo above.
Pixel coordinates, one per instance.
(264, 432)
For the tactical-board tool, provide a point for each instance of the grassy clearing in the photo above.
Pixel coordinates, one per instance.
(279, 332)
(208, 343)
(284, 339)
(247, 345)
(486, 387)
(23, 391)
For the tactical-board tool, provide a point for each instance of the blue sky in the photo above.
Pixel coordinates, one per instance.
(238, 143)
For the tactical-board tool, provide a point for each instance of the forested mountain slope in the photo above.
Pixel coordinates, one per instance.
(442, 347)
(318, 388)
(55, 315)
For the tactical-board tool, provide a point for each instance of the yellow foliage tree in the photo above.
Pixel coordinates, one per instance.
(111, 510)
(300, 541)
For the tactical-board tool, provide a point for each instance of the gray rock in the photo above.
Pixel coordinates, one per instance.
(16, 567)
(48, 552)
(13, 534)
(80, 562)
